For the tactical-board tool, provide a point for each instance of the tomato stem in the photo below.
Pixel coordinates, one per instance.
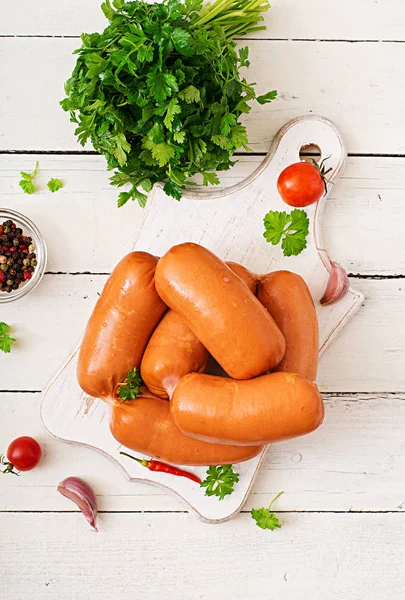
(321, 168)
(9, 466)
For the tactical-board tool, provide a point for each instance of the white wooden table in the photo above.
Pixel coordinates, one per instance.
(344, 486)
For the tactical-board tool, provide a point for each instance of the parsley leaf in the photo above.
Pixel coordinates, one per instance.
(6, 341)
(161, 85)
(26, 183)
(210, 178)
(54, 185)
(173, 109)
(220, 481)
(264, 518)
(190, 94)
(130, 389)
(182, 42)
(172, 189)
(243, 57)
(292, 228)
(267, 97)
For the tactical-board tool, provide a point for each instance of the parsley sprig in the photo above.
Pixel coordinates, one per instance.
(290, 228)
(27, 181)
(131, 387)
(54, 185)
(265, 519)
(220, 481)
(6, 341)
(159, 92)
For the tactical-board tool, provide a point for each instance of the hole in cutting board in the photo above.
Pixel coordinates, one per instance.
(310, 151)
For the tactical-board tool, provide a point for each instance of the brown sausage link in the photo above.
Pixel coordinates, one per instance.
(288, 299)
(263, 410)
(174, 350)
(120, 326)
(220, 310)
(146, 426)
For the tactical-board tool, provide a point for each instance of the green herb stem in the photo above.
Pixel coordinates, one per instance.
(235, 17)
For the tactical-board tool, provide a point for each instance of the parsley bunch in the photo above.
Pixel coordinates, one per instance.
(159, 93)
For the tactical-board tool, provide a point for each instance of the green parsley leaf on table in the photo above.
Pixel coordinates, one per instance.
(27, 181)
(54, 185)
(130, 389)
(290, 228)
(269, 97)
(6, 341)
(220, 481)
(265, 519)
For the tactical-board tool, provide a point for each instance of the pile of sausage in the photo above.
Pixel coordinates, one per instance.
(170, 317)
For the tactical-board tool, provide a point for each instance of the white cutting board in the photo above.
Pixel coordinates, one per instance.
(230, 223)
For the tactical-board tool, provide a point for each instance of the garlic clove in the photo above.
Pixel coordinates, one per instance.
(337, 286)
(82, 494)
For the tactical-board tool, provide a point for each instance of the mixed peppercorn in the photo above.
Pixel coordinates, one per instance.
(17, 257)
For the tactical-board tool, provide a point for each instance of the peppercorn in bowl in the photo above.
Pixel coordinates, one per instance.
(23, 255)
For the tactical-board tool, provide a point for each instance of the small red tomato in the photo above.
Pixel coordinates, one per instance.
(303, 183)
(24, 453)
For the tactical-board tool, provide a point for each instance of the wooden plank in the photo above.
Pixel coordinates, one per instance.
(287, 19)
(316, 472)
(367, 356)
(307, 77)
(370, 193)
(317, 556)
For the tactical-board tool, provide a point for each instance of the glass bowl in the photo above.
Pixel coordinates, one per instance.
(31, 230)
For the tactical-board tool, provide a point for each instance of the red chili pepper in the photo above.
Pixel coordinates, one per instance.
(161, 467)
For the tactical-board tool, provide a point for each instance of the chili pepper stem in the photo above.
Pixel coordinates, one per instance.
(161, 467)
(141, 461)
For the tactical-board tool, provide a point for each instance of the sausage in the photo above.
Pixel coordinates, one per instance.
(220, 310)
(288, 299)
(174, 350)
(120, 326)
(264, 410)
(247, 276)
(145, 425)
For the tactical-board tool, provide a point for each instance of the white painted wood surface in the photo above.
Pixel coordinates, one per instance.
(360, 466)
(368, 427)
(171, 556)
(376, 341)
(371, 191)
(287, 19)
(306, 75)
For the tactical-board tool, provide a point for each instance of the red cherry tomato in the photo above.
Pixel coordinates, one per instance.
(24, 453)
(301, 184)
